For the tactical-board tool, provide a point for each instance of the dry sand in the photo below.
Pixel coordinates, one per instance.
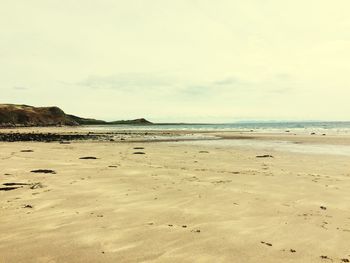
(175, 203)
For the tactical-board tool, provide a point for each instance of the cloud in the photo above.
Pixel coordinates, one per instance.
(174, 88)
(19, 88)
(226, 81)
(129, 82)
(275, 84)
(231, 57)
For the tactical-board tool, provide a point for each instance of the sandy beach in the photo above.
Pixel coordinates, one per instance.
(174, 131)
(138, 201)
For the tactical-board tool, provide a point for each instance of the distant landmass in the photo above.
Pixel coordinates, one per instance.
(86, 121)
(12, 115)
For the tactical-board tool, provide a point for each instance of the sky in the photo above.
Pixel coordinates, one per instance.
(178, 60)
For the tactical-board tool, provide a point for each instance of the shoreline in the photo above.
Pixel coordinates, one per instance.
(69, 133)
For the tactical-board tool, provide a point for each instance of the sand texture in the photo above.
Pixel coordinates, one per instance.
(171, 202)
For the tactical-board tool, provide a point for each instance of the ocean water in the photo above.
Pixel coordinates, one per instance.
(263, 127)
(265, 146)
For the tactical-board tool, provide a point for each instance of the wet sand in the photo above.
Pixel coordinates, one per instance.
(172, 202)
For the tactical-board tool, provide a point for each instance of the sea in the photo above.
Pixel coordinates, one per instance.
(340, 128)
(264, 146)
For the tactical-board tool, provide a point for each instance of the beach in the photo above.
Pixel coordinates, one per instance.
(156, 198)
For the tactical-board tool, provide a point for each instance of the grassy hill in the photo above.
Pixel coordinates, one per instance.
(12, 115)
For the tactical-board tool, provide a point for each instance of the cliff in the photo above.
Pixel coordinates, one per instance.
(12, 115)
(24, 115)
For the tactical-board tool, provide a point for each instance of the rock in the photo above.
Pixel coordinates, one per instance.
(264, 156)
(14, 184)
(265, 243)
(63, 142)
(8, 188)
(44, 137)
(43, 171)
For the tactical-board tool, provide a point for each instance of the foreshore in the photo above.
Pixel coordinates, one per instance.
(148, 196)
(83, 133)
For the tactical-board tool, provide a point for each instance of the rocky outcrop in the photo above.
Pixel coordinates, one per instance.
(23, 115)
(141, 121)
(87, 121)
(12, 115)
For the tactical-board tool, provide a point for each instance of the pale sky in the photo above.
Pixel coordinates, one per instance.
(178, 60)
